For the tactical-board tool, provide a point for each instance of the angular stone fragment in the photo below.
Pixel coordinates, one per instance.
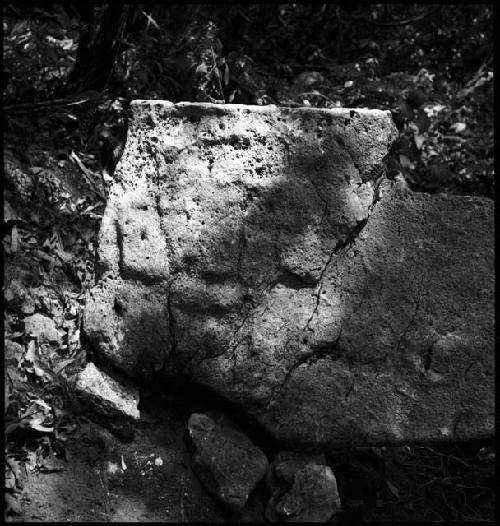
(224, 459)
(303, 489)
(293, 278)
(18, 298)
(43, 327)
(108, 402)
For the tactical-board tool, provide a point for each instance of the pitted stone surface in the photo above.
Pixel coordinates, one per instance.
(261, 252)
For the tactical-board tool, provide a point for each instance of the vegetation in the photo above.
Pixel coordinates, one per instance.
(70, 71)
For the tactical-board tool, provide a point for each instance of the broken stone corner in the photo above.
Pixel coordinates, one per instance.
(111, 403)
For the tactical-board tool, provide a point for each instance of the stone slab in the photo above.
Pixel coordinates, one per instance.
(260, 251)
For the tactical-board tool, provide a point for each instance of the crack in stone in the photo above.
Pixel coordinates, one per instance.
(171, 325)
(355, 164)
(309, 359)
(241, 249)
(276, 391)
(469, 367)
(350, 389)
(343, 245)
(428, 358)
(119, 241)
(325, 213)
(430, 350)
(456, 423)
(405, 332)
(157, 197)
(424, 213)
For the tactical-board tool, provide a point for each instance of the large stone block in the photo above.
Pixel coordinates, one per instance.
(260, 251)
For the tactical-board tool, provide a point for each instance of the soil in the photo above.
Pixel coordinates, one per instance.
(149, 478)
(93, 487)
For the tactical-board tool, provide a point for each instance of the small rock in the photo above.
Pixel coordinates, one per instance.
(52, 464)
(12, 352)
(303, 489)
(13, 290)
(224, 459)
(28, 305)
(42, 327)
(18, 298)
(108, 402)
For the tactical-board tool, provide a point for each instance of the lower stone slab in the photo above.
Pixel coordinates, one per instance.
(261, 252)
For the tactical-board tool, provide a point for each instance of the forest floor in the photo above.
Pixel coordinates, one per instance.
(146, 480)
(103, 479)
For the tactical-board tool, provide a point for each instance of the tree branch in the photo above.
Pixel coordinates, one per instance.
(399, 23)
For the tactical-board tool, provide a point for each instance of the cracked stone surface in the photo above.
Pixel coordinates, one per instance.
(260, 251)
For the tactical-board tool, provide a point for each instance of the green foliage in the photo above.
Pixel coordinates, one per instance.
(38, 53)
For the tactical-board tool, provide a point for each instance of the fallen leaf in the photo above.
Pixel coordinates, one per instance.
(10, 428)
(66, 257)
(12, 504)
(37, 418)
(113, 468)
(52, 464)
(42, 429)
(30, 355)
(9, 214)
(14, 466)
(404, 161)
(43, 404)
(10, 480)
(392, 489)
(7, 390)
(61, 365)
(38, 371)
(14, 243)
(458, 127)
(43, 255)
(419, 141)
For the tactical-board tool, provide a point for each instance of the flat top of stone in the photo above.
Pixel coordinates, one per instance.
(208, 107)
